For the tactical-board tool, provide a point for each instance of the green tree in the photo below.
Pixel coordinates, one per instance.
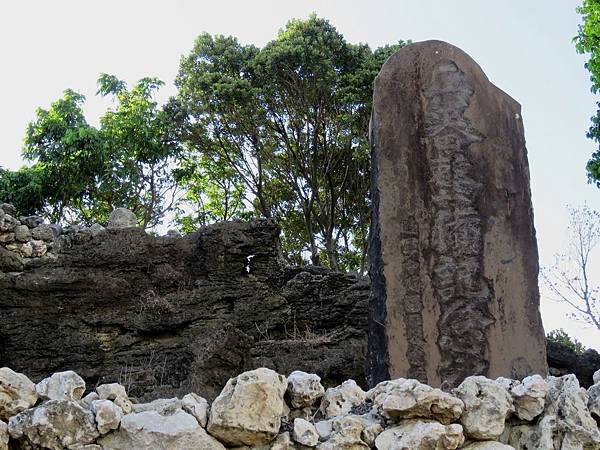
(81, 173)
(288, 124)
(587, 41)
(560, 336)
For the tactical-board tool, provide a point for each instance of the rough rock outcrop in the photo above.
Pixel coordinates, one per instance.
(453, 255)
(168, 315)
(17, 393)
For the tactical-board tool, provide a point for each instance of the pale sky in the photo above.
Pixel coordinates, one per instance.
(524, 47)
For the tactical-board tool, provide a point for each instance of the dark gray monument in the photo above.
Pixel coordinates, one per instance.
(454, 261)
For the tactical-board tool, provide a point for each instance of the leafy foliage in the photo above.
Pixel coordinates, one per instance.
(560, 336)
(82, 173)
(588, 41)
(287, 126)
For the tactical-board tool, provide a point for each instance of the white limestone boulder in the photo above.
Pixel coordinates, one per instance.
(111, 391)
(339, 400)
(4, 437)
(421, 435)
(150, 430)
(346, 435)
(108, 415)
(55, 425)
(196, 406)
(487, 445)
(122, 218)
(124, 403)
(65, 385)
(529, 397)
(17, 393)
(304, 389)
(304, 433)
(487, 406)
(163, 406)
(596, 376)
(408, 399)
(249, 409)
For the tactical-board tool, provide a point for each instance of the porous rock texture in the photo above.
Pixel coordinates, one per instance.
(453, 254)
(255, 411)
(168, 315)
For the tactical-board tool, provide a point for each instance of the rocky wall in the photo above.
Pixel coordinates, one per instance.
(262, 409)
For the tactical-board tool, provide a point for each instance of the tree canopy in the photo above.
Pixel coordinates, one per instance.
(286, 128)
(279, 132)
(587, 41)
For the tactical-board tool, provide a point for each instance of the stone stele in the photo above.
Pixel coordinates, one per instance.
(453, 253)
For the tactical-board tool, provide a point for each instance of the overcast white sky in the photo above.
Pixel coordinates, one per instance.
(525, 47)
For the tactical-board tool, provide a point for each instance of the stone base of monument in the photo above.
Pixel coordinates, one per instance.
(453, 253)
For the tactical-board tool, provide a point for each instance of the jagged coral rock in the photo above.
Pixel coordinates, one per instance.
(487, 406)
(249, 409)
(17, 393)
(421, 435)
(55, 424)
(304, 388)
(407, 399)
(65, 385)
(339, 400)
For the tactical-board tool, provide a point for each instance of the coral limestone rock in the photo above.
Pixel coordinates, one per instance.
(17, 393)
(197, 407)
(108, 415)
(150, 430)
(529, 397)
(304, 388)
(407, 399)
(453, 253)
(249, 409)
(55, 425)
(122, 218)
(304, 433)
(421, 435)
(339, 400)
(61, 386)
(111, 391)
(487, 406)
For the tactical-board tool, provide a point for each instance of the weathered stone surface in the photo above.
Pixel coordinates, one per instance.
(346, 435)
(196, 406)
(86, 401)
(110, 391)
(61, 386)
(22, 233)
(108, 415)
(249, 409)
(339, 400)
(55, 424)
(529, 397)
(169, 316)
(7, 208)
(17, 393)
(565, 423)
(7, 238)
(122, 218)
(283, 441)
(163, 406)
(421, 435)
(305, 433)
(453, 254)
(596, 376)
(3, 436)
(487, 406)
(8, 223)
(304, 388)
(124, 403)
(408, 399)
(150, 430)
(594, 400)
(43, 233)
(31, 221)
(487, 445)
